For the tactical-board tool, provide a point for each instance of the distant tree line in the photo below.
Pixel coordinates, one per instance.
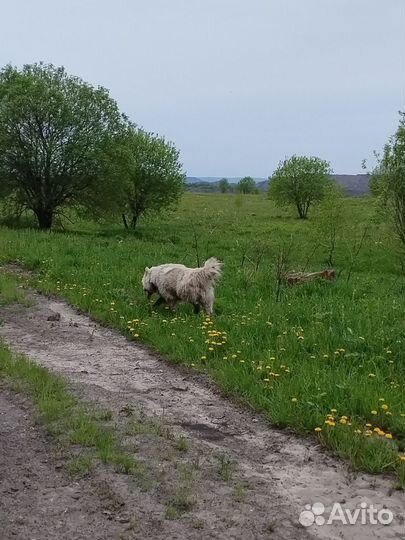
(245, 186)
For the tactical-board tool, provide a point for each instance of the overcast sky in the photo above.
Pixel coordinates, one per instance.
(236, 84)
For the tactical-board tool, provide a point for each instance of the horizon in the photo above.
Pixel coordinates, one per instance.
(265, 177)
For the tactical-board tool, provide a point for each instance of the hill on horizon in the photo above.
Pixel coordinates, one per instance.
(353, 184)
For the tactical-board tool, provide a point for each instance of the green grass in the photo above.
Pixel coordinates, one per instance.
(63, 415)
(323, 346)
(9, 291)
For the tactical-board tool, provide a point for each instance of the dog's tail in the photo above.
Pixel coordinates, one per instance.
(211, 270)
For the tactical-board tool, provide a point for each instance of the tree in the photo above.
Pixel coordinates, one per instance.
(388, 179)
(330, 221)
(224, 185)
(53, 129)
(300, 181)
(148, 174)
(246, 186)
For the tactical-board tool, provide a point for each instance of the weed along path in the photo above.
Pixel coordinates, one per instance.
(210, 469)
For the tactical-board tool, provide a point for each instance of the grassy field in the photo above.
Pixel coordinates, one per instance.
(325, 358)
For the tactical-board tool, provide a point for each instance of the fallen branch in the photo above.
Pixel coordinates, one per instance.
(294, 278)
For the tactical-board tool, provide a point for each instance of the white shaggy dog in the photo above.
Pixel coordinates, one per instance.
(177, 283)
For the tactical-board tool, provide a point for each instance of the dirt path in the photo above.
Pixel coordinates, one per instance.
(38, 500)
(274, 474)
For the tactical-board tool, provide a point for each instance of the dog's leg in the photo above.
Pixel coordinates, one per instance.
(208, 308)
(196, 308)
(172, 305)
(159, 301)
(207, 302)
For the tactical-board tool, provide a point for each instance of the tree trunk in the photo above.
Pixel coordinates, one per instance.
(45, 218)
(301, 211)
(125, 222)
(134, 221)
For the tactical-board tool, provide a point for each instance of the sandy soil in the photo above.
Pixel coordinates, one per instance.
(274, 474)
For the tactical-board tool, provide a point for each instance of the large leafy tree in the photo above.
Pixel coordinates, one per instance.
(54, 129)
(246, 185)
(388, 179)
(149, 173)
(300, 181)
(224, 186)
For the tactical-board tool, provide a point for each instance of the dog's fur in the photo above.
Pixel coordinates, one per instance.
(178, 283)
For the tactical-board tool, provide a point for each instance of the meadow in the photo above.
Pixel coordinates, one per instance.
(326, 358)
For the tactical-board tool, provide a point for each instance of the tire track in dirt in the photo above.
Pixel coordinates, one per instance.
(284, 471)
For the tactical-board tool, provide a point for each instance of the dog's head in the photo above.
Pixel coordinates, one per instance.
(147, 284)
